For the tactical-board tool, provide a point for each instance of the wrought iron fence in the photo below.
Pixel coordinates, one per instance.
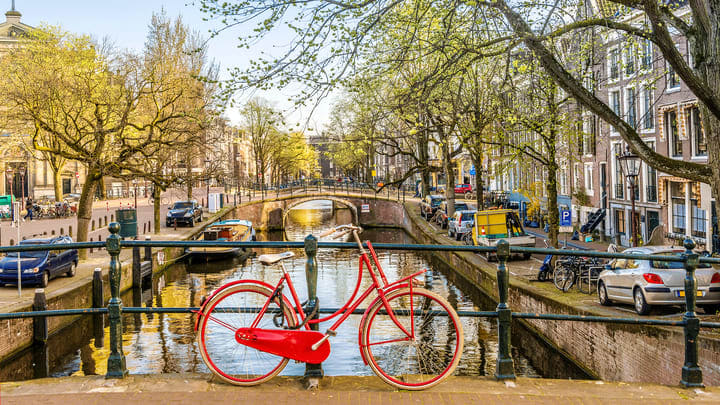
(691, 372)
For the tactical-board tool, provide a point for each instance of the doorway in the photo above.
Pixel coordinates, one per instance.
(652, 219)
(66, 186)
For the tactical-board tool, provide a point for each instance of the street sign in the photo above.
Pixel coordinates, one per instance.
(365, 208)
(565, 229)
(77, 175)
(372, 173)
(565, 217)
(472, 170)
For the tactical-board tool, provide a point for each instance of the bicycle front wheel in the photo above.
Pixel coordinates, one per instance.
(234, 308)
(563, 277)
(419, 360)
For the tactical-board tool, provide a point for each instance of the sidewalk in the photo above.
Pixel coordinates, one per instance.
(573, 244)
(193, 389)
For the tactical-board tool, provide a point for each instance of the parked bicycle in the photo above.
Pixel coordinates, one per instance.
(411, 337)
(576, 270)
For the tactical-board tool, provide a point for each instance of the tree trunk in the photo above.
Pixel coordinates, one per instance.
(100, 183)
(156, 208)
(449, 179)
(553, 212)
(85, 206)
(57, 179)
(479, 181)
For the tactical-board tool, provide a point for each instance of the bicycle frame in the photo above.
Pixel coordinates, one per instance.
(347, 309)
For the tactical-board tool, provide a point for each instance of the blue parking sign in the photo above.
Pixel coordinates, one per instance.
(565, 218)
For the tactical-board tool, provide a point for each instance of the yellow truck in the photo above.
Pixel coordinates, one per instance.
(493, 225)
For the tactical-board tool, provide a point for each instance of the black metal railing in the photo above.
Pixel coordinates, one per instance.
(116, 368)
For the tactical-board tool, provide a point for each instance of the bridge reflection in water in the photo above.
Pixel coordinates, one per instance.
(165, 343)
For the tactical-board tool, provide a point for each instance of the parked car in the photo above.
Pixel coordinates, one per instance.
(460, 223)
(645, 283)
(184, 213)
(463, 188)
(442, 217)
(429, 205)
(39, 266)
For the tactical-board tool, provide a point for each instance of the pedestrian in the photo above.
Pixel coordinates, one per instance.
(29, 208)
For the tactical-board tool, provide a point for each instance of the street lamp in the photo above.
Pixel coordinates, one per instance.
(630, 164)
(207, 183)
(134, 182)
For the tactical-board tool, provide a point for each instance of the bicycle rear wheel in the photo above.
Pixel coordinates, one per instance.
(412, 363)
(229, 310)
(563, 277)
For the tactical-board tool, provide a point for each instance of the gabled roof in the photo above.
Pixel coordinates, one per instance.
(13, 28)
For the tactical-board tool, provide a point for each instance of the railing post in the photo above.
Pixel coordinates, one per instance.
(116, 362)
(505, 368)
(40, 324)
(691, 372)
(313, 372)
(136, 271)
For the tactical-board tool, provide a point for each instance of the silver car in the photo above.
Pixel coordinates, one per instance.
(645, 283)
(461, 223)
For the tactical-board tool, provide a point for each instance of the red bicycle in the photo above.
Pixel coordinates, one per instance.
(247, 330)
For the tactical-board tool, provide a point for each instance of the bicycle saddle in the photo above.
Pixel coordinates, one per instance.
(274, 258)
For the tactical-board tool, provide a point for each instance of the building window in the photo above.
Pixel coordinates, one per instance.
(672, 134)
(615, 102)
(620, 221)
(648, 116)
(696, 132)
(677, 194)
(614, 60)
(589, 136)
(619, 189)
(562, 176)
(698, 220)
(647, 54)
(630, 60)
(589, 178)
(672, 78)
(630, 104)
(651, 179)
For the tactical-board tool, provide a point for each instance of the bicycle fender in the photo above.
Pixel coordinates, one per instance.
(201, 311)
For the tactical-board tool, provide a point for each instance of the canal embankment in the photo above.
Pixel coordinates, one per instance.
(76, 292)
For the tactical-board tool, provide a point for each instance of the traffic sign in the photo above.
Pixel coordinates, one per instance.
(472, 170)
(77, 175)
(565, 217)
(365, 208)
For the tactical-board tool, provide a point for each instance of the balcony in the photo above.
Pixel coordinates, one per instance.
(619, 191)
(651, 192)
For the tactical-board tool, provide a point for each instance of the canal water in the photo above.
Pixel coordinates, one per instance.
(165, 343)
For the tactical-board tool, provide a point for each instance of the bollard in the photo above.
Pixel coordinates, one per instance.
(136, 271)
(313, 372)
(175, 224)
(504, 370)
(691, 372)
(116, 362)
(40, 323)
(98, 300)
(148, 251)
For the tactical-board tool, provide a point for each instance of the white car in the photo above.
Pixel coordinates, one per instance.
(460, 223)
(645, 283)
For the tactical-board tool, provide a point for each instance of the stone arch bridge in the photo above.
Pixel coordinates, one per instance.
(271, 214)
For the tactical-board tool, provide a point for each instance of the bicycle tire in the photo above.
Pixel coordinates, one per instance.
(419, 363)
(560, 275)
(222, 354)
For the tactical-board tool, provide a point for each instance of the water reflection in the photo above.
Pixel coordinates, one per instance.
(165, 343)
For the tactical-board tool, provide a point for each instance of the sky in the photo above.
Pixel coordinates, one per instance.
(126, 24)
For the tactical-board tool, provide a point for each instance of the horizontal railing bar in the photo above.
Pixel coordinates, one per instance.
(53, 312)
(361, 311)
(346, 245)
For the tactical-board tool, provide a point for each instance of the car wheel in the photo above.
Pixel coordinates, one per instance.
(641, 306)
(468, 195)
(602, 295)
(458, 236)
(526, 256)
(450, 234)
(191, 222)
(710, 309)
(73, 269)
(45, 279)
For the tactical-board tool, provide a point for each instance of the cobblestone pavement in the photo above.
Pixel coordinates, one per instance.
(193, 389)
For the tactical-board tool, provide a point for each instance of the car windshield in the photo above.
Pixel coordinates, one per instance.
(35, 254)
(435, 202)
(182, 205)
(656, 264)
(460, 206)
(467, 216)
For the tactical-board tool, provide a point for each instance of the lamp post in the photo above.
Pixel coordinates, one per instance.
(630, 164)
(207, 184)
(21, 170)
(136, 191)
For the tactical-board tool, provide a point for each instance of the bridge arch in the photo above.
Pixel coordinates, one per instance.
(295, 203)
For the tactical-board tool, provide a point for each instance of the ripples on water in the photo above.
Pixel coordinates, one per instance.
(165, 343)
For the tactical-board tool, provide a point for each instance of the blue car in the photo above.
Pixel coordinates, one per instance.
(39, 266)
